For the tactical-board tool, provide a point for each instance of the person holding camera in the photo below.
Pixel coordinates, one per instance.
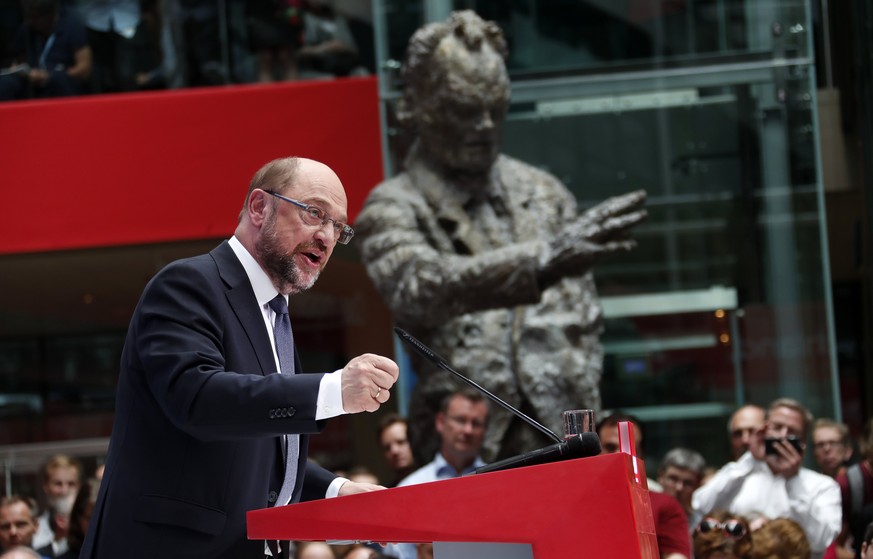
(769, 479)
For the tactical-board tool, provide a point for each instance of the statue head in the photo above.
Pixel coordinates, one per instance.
(456, 92)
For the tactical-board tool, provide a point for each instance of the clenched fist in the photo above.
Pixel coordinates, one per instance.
(366, 382)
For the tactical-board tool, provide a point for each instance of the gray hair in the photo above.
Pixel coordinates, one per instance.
(685, 459)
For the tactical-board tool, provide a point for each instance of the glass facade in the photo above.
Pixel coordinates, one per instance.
(710, 106)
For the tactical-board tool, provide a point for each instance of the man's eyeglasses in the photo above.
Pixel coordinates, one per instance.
(461, 421)
(316, 217)
(821, 445)
(732, 528)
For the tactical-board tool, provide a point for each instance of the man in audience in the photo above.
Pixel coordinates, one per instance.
(769, 479)
(61, 478)
(856, 491)
(17, 522)
(671, 524)
(394, 441)
(680, 473)
(21, 552)
(59, 520)
(607, 430)
(460, 423)
(831, 446)
(742, 424)
(51, 54)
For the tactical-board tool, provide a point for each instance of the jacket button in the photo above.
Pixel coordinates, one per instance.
(271, 498)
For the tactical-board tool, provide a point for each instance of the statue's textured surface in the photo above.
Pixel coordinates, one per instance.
(481, 256)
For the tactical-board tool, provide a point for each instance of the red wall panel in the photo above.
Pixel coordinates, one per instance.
(153, 167)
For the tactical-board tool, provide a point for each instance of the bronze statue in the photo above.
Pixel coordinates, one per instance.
(484, 257)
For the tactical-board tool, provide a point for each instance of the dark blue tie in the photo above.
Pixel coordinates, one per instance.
(285, 350)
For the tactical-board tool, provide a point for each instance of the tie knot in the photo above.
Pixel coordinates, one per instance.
(279, 305)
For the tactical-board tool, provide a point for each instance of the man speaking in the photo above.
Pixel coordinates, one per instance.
(213, 411)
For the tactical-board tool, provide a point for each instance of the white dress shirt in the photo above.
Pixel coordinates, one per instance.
(330, 399)
(749, 485)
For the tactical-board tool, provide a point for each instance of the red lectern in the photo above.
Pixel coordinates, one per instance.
(588, 507)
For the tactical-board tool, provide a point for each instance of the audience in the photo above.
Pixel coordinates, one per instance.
(329, 48)
(721, 535)
(115, 37)
(856, 490)
(21, 552)
(395, 446)
(80, 516)
(460, 423)
(680, 473)
(831, 446)
(275, 28)
(314, 550)
(53, 48)
(61, 477)
(51, 54)
(781, 538)
(17, 522)
(59, 522)
(769, 478)
(742, 424)
(360, 551)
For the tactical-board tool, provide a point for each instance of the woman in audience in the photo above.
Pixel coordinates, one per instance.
(780, 538)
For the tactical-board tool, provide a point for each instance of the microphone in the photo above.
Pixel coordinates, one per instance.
(429, 354)
(576, 446)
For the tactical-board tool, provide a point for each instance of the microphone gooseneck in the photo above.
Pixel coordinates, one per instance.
(431, 356)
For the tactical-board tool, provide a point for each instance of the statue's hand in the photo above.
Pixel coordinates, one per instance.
(598, 232)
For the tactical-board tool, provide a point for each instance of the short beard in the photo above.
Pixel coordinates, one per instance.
(280, 265)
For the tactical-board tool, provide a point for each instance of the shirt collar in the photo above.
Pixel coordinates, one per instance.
(444, 469)
(263, 287)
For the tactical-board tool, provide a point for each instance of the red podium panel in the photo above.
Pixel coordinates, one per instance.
(593, 507)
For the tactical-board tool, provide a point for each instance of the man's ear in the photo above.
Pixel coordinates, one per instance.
(257, 207)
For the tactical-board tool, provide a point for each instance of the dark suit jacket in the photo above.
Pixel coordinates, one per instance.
(198, 414)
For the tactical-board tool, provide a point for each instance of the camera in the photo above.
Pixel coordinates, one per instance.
(770, 442)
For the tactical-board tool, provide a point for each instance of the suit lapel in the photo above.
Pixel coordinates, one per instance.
(244, 305)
